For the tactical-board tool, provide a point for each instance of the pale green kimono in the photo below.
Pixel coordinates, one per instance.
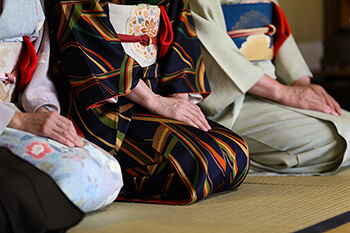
(282, 140)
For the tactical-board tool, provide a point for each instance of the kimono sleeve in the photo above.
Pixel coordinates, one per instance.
(182, 68)
(289, 62)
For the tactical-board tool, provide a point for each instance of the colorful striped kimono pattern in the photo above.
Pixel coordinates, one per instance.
(163, 160)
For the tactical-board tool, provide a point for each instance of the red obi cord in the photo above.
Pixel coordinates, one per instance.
(27, 64)
(283, 29)
(164, 39)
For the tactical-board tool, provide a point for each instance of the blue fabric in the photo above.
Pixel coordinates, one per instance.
(246, 16)
(20, 18)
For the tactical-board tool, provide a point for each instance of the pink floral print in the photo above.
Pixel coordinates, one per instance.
(38, 150)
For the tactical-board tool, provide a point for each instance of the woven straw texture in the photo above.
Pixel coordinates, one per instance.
(261, 204)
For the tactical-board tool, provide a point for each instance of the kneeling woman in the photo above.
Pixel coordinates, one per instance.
(130, 77)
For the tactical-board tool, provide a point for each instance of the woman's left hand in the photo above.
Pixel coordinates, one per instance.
(181, 109)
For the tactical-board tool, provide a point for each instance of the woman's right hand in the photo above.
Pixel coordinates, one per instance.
(47, 124)
(175, 107)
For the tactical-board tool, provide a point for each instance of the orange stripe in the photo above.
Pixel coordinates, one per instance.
(216, 155)
(131, 172)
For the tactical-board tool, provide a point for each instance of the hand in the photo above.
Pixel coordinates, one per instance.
(176, 107)
(180, 108)
(313, 96)
(47, 124)
(302, 94)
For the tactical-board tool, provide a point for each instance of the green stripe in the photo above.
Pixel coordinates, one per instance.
(78, 8)
(198, 66)
(123, 71)
(105, 120)
(137, 153)
(184, 34)
(92, 5)
(79, 28)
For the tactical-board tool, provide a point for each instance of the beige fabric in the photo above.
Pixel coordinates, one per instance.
(9, 57)
(261, 204)
(286, 141)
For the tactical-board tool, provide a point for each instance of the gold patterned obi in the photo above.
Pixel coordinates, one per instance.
(9, 58)
(137, 27)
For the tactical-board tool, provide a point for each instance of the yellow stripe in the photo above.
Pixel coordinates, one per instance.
(161, 133)
(244, 149)
(153, 119)
(178, 52)
(124, 117)
(183, 175)
(96, 63)
(109, 114)
(201, 73)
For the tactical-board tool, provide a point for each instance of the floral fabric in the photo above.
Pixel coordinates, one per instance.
(90, 177)
(9, 56)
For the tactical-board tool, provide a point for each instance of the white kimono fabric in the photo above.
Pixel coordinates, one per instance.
(282, 140)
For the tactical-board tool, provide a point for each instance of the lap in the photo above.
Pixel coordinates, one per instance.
(164, 150)
(282, 139)
(90, 177)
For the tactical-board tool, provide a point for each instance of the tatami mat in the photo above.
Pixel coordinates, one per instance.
(261, 204)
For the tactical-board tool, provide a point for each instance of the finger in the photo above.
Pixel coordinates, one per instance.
(203, 121)
(329, 100)
(332, 103)
(66, 128)
(196, 123)
(68, 124)
(338, 108)
(71, 129)
(324, 108)
(71, 137)
(67, 137)
(198, 117)
(318, 104)
(336, 111)
(62, 139)
(187, 115)
(203, 125)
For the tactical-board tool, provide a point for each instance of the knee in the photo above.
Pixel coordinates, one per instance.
(234, 156)
(90, 177)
